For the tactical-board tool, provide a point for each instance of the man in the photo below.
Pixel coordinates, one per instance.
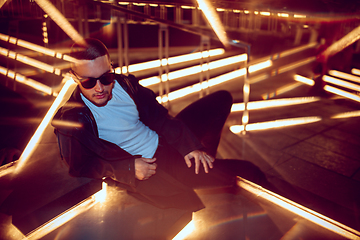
(122, 133)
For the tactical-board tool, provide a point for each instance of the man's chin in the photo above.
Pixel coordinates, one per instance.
(102, 101)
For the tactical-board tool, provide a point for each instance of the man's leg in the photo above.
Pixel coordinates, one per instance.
(206, 118)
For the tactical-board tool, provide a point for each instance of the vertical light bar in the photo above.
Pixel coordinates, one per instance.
(60, 20)
(214, 20)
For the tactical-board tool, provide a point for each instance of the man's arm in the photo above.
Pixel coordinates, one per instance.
(89, 156)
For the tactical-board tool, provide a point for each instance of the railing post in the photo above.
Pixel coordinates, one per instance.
(164, 87)
(205, 43)
(246, 93)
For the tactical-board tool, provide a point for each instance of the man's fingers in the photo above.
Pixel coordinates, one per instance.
(187, 161)
(197, 163)
(149, 160)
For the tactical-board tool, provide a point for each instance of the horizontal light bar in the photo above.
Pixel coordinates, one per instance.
(304, 80)
(258, 66)
(274, 124)
(27, 81)
(281, 90)
(194, 70)
(255, 105)
(29, 61)
(188, 229)
(200, 86)
(294, 65)
(171, 60)
(344, 76)
(299, 210)
(341, 83)
(36, 48)
(342, 93)
(347, 114)
(355, 71)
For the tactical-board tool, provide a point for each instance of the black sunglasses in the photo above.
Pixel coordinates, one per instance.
(88, 83)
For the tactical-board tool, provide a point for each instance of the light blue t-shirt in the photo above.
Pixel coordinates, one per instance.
(118, 122)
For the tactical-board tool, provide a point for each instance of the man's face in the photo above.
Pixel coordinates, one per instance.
(100, 94)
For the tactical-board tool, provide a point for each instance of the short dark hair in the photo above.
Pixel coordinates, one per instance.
(90, 49)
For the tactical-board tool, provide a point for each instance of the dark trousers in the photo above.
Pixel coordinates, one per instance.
(173, 182)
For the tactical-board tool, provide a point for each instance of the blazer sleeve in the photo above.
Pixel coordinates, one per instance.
(89, 156)
(156, 116)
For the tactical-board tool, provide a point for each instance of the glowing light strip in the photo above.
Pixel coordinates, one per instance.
(36, 48)
(347, 114)
(62, 219)
(255, 105)
(189, 228)
(355, 71)
(304, 80)
(194, 70)
(60, 20)
(65, 92)
(293, 51)
(27, 81)
(341, 83)
(342, 93)
(258, 66)
(29, 61)
(68, 215)
(299, 210)
(345, 41)
(344, 76)
(281, 90)
(236, 129)
(198, 87)
(172, 60)
(214, 20)
(295, 65)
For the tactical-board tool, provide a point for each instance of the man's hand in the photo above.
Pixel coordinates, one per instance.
(145, 168)
(199, 156)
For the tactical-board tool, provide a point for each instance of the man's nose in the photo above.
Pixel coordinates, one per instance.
(99, 87)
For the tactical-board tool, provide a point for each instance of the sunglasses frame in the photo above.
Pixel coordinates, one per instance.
(90, 82)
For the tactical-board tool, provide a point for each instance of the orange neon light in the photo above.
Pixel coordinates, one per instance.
(344, 76)
(64, 94)
(60, 20)
(255, 105)
(355, 71)
(274, 124)
(342, 93)
(341, 83)
(214, 20)
(299, 210)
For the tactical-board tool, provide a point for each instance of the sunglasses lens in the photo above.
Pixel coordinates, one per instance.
(105, 79)
(89, 83)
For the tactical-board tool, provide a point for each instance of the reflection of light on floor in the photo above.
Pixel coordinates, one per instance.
(299, 210)
(188, 229)
(342, 93)
(355, 71)
(273, 103)
(341, 83)
(214, 20)
(343, 75)
(68, 215)
(193, 70)
(171, 60)
(237, 129)
(281, 90)
(347, 114)
(65, 92)
(27, 81)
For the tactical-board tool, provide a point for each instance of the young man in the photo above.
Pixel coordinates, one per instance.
(122, 133)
